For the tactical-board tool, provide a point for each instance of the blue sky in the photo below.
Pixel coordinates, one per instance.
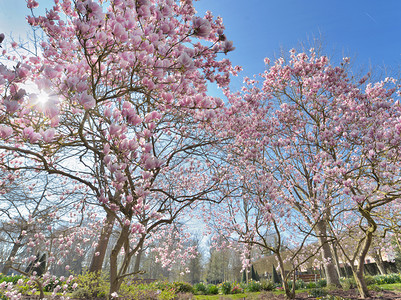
(366, 30)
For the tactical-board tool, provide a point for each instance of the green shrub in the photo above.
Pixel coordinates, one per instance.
(254, 286)
(211, 289)
(348, 283)
(387, 279)
(267, 285)
(300, 284)
(375, 288)
(183, 287)
(243, 285)
(91, 285)
(11, 278)
(167, 294)
(321, 283)
(369, 280)
(236, 289)
(163, 285)
(226, 288)
(318, 292)
(199, 288)
(310, 285)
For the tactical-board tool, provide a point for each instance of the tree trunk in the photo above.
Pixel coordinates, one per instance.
(358, 273)
(327, 255)
(115, 273)
(97, 260)
(360, 281)
(138, 257)
(288, 292)
(9, 263)
(336, 260)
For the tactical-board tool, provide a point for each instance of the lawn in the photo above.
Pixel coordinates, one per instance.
(396, 287)
(391, 287)
(236, 296)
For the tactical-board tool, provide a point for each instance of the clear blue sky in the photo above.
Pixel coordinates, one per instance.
(366, 30)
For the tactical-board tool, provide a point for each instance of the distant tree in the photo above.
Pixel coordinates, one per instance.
(276, 278)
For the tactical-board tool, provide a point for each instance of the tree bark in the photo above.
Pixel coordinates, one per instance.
(8, 263)
(359, 272)
(138, 257)
(360, 281)
(97, 260)
(327, 255)
(115, 279)
(288, 292)
(336, 260)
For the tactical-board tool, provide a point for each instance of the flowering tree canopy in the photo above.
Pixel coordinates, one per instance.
(126, 83)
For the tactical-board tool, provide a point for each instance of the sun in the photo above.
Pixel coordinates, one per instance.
(43, 98)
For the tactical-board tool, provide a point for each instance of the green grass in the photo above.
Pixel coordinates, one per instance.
(391, 287)
(247, 295)
(235, 296)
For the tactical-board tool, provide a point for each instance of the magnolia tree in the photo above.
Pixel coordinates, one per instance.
(126, 85)
(330, 144)
(253, 219)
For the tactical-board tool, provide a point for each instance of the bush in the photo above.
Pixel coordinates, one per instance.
(375, 288)
(318, 292)
(90, 285)
(12, 278)
(236, 289)
(267, 285)
(243, 285)
(369, 280)
(387, 279)
(199, 288)
(310, 285)
(300, 284)
(321, 283)
(211, 289)
(348, 283)
(161, 285)
(254, 286)
(226, 288)
(183, 287)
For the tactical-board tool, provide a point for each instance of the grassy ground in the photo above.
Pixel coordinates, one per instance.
(391, 287)
(396, 287)
(236, 296)
(247, 296)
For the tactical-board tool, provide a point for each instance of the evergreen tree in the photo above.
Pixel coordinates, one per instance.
(243, 276)
(276, 278)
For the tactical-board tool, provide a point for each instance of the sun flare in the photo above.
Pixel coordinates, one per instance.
(43, 98)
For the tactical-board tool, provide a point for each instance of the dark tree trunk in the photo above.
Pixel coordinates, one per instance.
(327, 255)
(336, 260)
(8, 263)
(115, 271)
(97, 260)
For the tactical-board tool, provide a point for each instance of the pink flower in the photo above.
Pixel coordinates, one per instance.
(154, 115)
(32, 4)
(5, 131)
(48, 135)
(87, 101)
(114, 129)
(228, 46)
(11, 106)
(186, 61)
(201, 26)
